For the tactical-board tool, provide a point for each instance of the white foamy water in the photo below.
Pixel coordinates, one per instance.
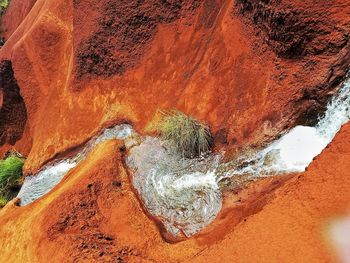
(294, 151)
(37, 185)
(40, 184)
(183, 194)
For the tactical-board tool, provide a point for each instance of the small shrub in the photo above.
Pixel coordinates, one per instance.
(187, 136)
(3, 201)
(10, 176)
(4, 4)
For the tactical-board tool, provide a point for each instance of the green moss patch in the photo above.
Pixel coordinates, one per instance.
(10, 177)
(4, 4)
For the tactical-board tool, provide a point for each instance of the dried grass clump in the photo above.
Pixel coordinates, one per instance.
(187, 136)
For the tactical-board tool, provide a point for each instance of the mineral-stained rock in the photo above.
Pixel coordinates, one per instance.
(294, 227)
(249, 69)
(81, 65)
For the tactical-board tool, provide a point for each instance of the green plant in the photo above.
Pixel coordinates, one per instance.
(10, 176)
(187, 136)
(4, 4)
(3, 201)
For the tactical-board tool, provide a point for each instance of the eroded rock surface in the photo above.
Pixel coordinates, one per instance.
(125, 60)
(249, 69)
(13, 112)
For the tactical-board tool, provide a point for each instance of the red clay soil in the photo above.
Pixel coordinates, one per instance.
(93, 215)
(294, 227)
(14, 16)
(249, 71)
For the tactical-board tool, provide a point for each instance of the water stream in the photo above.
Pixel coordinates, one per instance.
(295, 150)
(184, 194)
(50, 175)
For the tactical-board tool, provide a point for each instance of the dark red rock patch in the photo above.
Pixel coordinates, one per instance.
(13, 112)
(125, 29)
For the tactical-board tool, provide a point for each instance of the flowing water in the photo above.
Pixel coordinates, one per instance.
(184, 194)
(41, 183)
(294, 151)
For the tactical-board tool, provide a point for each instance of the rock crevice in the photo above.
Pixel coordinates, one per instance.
(13, 112)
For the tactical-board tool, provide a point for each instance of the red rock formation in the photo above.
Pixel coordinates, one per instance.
(248, 68)
(14, 16)
(13, 113)
(294, 226)
(94, 216)
(211, 59)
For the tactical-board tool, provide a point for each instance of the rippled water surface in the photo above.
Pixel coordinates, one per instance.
(182, 193)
